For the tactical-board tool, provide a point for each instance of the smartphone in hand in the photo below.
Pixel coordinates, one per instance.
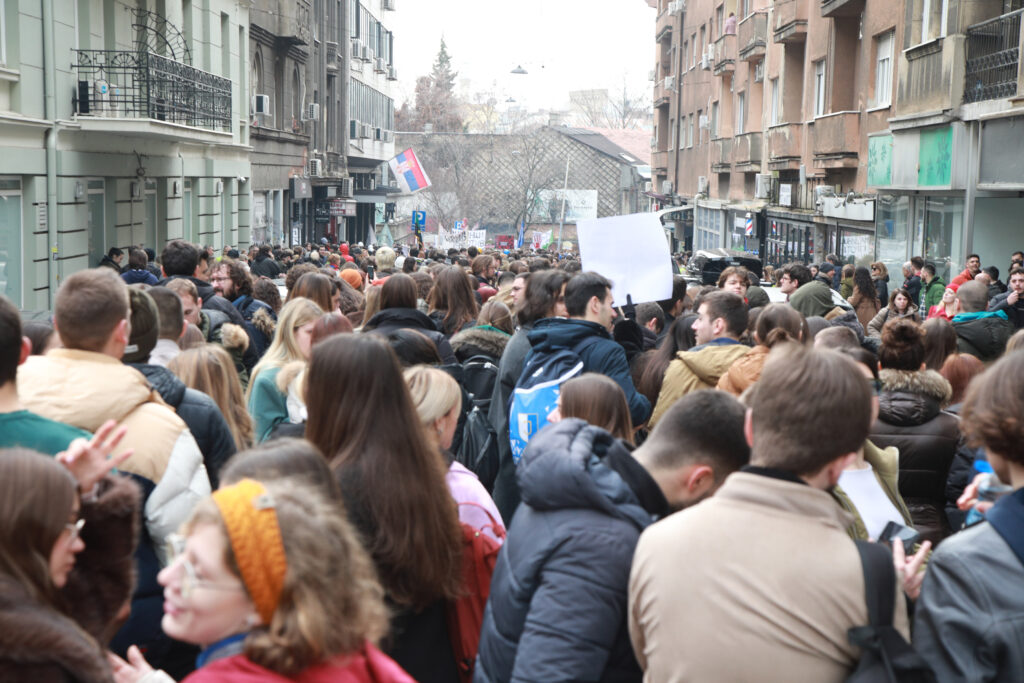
(894, 531)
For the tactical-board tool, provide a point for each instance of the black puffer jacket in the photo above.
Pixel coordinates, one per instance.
(911, 417)
(200, 413)
(982, 335)
(391, 319)
(483, 340)
(558, 603)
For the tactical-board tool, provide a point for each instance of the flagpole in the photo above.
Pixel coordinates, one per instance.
(565, 191)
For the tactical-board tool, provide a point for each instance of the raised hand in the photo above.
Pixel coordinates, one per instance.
(89, 461)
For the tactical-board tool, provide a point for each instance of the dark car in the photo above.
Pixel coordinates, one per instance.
(705, 266)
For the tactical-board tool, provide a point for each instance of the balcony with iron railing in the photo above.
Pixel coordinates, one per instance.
(753, 36)
(992, 58)
(144, 85)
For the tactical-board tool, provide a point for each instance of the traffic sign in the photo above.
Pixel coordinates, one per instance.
(419, 218)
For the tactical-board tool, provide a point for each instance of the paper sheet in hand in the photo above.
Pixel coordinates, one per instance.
(631, 251)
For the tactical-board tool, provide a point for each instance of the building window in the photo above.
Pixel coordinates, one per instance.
(746, 9)
(741, 112)
(714, 119)
(672, 135)
(686, 52)
(819, 87)
(933, 14)
(774, 102)
(883, 69)
(719, 20)
(689, 132)
(296, 99)
(693, 41)
(700, 134)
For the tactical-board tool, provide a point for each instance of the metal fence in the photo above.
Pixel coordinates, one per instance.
(992, 54)
(124, 84)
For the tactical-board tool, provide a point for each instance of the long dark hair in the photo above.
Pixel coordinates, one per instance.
(862, 283)
(391, 480)
(680, 337)
(600, 401)
(452, 296)
(779, 323)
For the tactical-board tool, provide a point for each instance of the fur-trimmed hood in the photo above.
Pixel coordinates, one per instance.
(263, 320)
(233, 336)
(485, 340)
(912, 397)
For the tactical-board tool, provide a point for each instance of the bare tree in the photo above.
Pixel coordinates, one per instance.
(629, 109)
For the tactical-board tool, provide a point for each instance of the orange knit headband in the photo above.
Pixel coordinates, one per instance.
(248, 512)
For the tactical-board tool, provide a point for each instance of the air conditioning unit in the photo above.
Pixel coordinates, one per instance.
(366, 131)
(759, 72)
(315, 168)
(100, 96)
(762, 185)
(347, 186)
(392, 73)
(677, 7)
(702, 184)
(670, 83)
(378, 133)
(388, 5)
(666, 187)
(366, 54)
(650, 75)
(703, 122)
(705, 61)
(822, 191)
(357, 48)
(261, 104)
(380, 66)
(387, 136)
(312, 112)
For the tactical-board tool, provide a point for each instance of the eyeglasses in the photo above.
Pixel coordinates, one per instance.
(74, 530)
(190, 581)
(876, 386)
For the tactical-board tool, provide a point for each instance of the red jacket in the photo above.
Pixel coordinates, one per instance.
(369, 666)
(962, 278)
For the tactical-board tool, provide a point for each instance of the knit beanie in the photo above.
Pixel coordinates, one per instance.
(145, 322)
(353, 277)
(248, 512)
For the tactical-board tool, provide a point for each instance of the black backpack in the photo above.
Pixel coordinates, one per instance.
(478, 450)
(886, 657)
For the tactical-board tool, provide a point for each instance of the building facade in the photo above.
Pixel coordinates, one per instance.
(120, 124)
(873, 130)
(323, 121)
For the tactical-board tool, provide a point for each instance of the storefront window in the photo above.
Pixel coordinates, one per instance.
(787, 243)
(739, 239)
(892, 223)
(857, 247)
(944, 235)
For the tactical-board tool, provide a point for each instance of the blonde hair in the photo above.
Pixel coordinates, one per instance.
(371, 305)
(434, 393)
(331, 602)
(284, 349)
(209, 369)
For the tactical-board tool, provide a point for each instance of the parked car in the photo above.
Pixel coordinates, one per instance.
(705, 266)
(777, 296)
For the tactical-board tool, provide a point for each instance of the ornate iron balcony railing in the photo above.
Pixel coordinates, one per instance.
(125, 84)
(993, 52)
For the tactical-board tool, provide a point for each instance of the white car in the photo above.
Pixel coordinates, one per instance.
(777, 296)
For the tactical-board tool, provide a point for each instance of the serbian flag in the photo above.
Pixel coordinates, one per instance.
(410, 175)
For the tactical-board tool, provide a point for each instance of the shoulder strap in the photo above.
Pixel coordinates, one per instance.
(879, 582)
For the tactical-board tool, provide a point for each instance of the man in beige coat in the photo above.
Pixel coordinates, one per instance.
(722, 318)
(762, 581)
(85, 384)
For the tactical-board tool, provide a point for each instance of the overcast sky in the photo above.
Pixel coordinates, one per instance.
(564, 44)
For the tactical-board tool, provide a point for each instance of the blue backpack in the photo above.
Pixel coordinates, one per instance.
(537, 390)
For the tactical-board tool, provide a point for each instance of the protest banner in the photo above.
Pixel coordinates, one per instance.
(632, 252)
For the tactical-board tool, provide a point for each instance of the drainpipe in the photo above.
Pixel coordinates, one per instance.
(50, 102)
(971, 186)
(181, 187)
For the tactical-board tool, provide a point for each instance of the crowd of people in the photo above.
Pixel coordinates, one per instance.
(334, 462)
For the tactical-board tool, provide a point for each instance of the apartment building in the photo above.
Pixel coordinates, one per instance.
(323, 117)
(120, 123)
(947, 173)
(764, 110)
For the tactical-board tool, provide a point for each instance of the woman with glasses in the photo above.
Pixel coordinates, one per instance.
(67, 535)
(272, 582)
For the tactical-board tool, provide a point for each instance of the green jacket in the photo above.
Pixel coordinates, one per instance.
(814, 298)
(886, 466)
(267, 405)
(931, 295)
